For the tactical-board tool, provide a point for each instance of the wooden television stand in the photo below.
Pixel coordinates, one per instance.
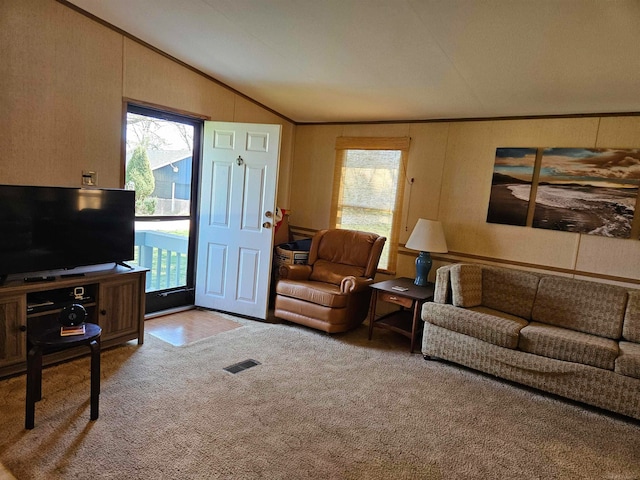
(113, 297)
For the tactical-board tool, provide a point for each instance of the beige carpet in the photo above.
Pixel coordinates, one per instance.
(317, 407)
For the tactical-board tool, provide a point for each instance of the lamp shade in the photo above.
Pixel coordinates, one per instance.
(427, 236)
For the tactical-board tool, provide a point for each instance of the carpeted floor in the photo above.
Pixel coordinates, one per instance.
(316, 407)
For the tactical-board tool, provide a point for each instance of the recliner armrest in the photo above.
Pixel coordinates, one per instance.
(354, 284)
(295, 272)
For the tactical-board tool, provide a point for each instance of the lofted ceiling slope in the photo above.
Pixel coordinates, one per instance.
(393, 60)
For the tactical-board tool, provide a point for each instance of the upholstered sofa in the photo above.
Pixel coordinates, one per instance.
(574, 338)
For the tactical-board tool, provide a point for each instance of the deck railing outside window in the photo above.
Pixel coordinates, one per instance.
(165, 255)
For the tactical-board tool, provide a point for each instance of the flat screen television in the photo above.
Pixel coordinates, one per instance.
(54, 228)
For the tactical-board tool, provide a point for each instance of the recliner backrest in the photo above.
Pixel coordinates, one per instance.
(337, 253)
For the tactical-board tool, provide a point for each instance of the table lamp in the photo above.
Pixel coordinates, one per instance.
(427, 236)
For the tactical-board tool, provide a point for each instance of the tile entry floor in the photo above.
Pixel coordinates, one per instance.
(186, 327)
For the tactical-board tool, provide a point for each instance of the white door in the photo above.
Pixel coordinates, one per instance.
(235, 218)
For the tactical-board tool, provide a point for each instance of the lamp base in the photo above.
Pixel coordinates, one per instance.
(423, 266)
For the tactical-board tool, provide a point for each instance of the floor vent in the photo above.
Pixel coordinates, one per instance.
(240, 366)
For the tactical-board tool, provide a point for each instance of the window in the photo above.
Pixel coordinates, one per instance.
(160, 165)
(367, 189)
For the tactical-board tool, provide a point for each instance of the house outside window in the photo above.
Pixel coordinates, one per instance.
(368, 189)
(160, 167)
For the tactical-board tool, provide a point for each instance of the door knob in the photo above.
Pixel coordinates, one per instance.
(266, 224)
(268, 214)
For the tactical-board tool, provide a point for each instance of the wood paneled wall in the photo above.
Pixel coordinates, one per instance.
(63, 78)
(60, 96)
(452, 167)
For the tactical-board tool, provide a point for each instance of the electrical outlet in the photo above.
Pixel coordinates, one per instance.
(89, 178)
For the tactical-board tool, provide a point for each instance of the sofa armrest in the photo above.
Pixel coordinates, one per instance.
(631, 326)
(354, 284)
(466, 285)
(295, 272)
(442, 293)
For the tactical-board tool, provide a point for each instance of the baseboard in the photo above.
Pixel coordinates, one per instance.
(169, 311)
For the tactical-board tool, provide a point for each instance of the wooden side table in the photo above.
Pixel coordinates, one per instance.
(405, 320)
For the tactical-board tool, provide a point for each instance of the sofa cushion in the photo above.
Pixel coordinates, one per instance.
(315, 292)
(628, 362)
(466, 285)
(588, 307)
(508, 290)
(631, 326)
(569, 345)
(480, 322)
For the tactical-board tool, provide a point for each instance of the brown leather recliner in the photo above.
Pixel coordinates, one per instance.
(331, 292)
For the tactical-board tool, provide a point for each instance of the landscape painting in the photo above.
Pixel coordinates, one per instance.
(511, 186)
(588, 190)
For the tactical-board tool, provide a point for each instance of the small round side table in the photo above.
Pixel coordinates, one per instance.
(50, 341)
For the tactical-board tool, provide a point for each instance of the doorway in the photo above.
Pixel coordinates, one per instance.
(236, 217)
(162, 158)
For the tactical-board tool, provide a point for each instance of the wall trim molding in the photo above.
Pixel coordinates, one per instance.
(302, 231)
(478, 119)
(454, 257)
(163, 108)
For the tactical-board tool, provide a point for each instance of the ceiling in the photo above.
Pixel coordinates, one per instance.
(386, 60)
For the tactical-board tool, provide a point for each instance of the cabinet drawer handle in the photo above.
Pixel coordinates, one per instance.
(393, 298)
(23, 328)
(103, 312)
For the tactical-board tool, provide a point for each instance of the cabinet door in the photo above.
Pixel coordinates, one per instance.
(13, 342)
(119, 307)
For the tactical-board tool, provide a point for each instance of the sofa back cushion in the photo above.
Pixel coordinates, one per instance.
(508, 290)
(466, 285)
(581, 305)
(631, 327)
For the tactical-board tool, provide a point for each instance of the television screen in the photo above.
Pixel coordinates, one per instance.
(50, 228)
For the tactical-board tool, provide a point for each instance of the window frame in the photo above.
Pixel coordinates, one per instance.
(343, 145)
(183, 295)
